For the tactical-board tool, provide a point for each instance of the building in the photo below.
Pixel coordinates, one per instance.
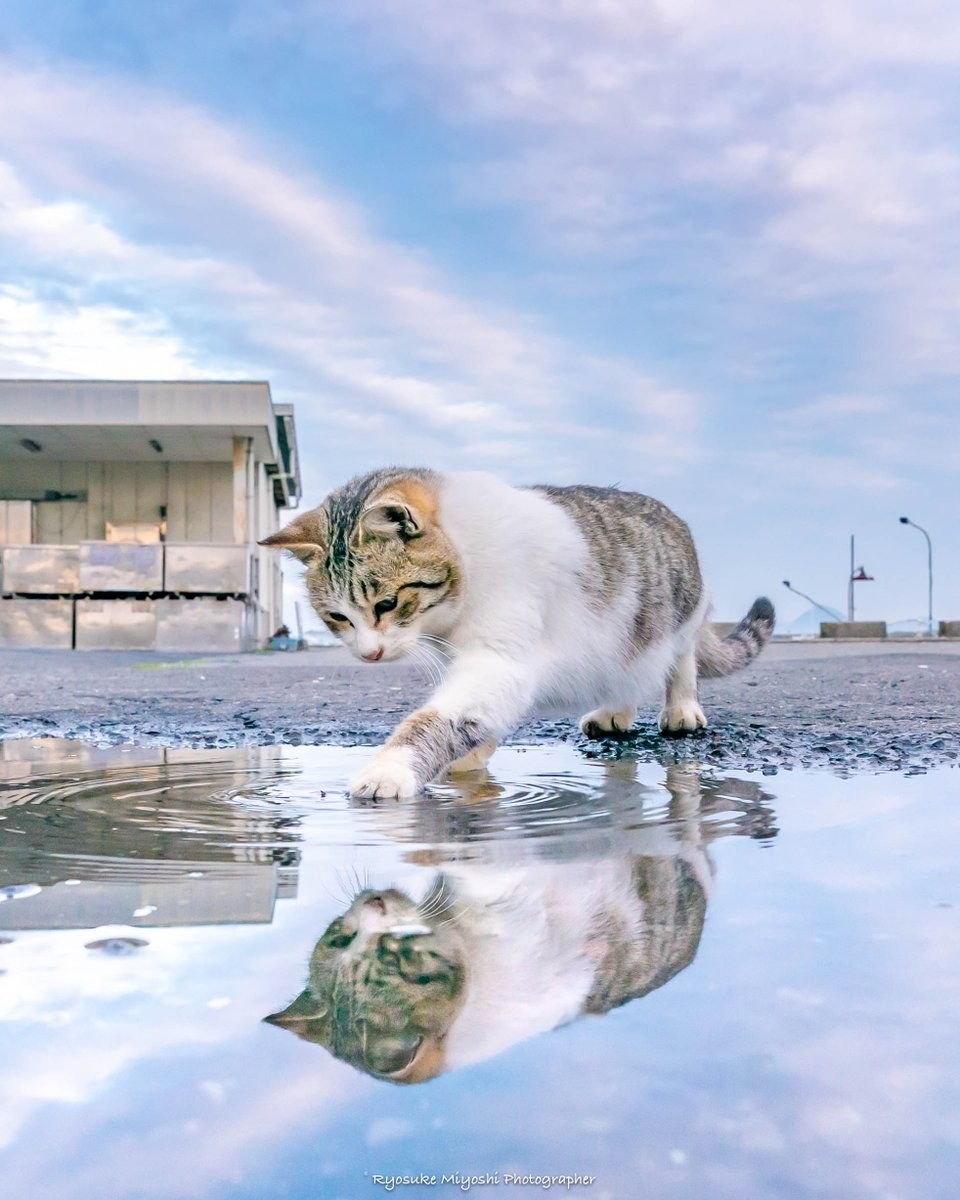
(130, 513)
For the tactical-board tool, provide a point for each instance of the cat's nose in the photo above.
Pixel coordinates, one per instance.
(376, 903)
(373, 655)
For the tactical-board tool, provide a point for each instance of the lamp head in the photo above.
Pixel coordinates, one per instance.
(904, 520)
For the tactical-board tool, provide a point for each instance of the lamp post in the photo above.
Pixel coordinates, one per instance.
(907, 521)
(857, 575)
(796, 591)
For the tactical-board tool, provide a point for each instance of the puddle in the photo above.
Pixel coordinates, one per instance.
(219, 977)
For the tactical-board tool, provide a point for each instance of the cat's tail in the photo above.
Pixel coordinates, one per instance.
(719, 656)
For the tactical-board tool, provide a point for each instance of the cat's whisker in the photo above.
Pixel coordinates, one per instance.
(427, 652)
(339, 892)
(416, 660)
(452, 919)
(422, 656)
(438, 644)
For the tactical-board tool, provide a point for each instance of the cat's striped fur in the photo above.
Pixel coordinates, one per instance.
(532, 597)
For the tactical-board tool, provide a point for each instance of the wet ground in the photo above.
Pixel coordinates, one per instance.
(653, 978)
(846, 706)
(723, 966)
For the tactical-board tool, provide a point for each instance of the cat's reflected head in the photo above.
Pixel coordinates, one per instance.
(386, 982)
(381, 572)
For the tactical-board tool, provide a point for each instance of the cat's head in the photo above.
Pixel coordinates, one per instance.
(381, 571)
(386, 983)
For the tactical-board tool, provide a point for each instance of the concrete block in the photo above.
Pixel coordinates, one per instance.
(120, 567)
(116, 625)
(41, 570)
(853, 629)
(40, 624)
(205, 568)
(201, 625)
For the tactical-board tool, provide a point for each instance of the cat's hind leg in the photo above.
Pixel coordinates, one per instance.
(681, 711)
(607, 722)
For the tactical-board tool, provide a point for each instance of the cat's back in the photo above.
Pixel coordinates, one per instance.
(634, 538)
(606, 512)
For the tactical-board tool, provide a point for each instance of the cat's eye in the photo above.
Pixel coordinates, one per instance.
(339, 617)
(339, 939)
(385, 606)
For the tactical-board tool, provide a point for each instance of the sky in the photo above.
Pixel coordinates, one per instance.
(707, 252)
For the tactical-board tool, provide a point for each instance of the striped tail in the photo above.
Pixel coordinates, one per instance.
(719, 656)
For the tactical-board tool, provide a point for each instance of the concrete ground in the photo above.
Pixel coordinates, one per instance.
(847, 706)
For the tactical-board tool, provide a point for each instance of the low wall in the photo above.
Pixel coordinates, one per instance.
(853, 629)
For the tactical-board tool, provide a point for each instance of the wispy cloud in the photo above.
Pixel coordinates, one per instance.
(302, 286)
(804, 152)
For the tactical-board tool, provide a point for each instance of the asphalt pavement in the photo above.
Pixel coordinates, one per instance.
(844, 706)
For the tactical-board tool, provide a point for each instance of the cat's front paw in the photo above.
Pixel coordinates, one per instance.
(387, 776)
(607, 722)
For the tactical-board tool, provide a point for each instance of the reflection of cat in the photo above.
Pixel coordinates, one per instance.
(501, 949)
(571, 598)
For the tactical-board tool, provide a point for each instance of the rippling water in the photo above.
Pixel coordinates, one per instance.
(667, 980)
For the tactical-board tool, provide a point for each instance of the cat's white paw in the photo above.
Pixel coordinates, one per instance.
(386, 777)
(603, 722)
(684, 717)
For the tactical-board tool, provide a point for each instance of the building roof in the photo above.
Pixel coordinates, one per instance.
(130, 421)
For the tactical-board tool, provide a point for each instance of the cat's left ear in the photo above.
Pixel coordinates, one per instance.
(403, 510)
(303, 1018)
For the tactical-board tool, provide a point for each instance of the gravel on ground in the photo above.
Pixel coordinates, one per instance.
(847, 707)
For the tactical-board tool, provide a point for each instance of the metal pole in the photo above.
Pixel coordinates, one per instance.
(907, 521)
(821, 607)
(850, 584)
(929, 583)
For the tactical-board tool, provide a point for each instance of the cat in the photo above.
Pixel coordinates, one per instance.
(522, 935)
(536, 597)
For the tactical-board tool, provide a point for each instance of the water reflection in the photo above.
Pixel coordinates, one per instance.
(153, 837)
(516, 935)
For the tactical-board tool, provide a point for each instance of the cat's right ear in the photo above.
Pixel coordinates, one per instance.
(304, 537)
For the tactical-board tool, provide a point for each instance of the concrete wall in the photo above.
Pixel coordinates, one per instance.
(853, 629)
(266, 563)
(198, 497)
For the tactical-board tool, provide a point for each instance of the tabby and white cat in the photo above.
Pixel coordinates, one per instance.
(539, 597)
(519, 936)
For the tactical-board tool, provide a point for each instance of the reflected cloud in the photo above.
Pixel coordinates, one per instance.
(517, 937)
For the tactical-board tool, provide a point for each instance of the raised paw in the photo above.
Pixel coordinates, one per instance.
(685, 717)
(386, 777)
(606, 722)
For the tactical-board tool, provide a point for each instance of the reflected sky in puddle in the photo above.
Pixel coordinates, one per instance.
(679, 982)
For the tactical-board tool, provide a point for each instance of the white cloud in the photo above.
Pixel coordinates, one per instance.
(57, 339)
(806, 151)
(288, 272)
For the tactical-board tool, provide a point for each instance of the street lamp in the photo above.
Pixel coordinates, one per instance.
(907, 521)
(857, 575)
(796, 591)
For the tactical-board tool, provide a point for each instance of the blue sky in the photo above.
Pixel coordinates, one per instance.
(707, 252)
